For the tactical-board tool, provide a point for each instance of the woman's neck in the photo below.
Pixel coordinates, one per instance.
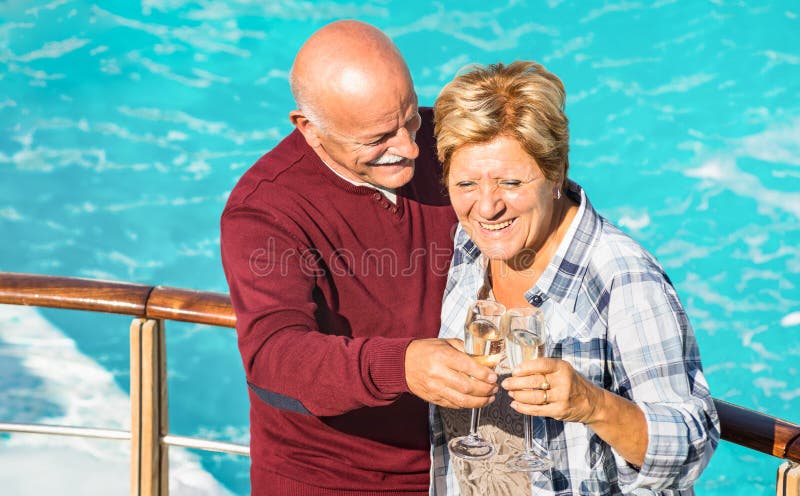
(510, 279)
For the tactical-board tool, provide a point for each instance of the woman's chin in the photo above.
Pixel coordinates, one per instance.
(518, 259)
(497, 252)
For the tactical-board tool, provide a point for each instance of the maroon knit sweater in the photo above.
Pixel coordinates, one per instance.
(330, 282)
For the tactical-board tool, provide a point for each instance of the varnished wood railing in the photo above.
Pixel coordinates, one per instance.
(742, 426)
(155, 302)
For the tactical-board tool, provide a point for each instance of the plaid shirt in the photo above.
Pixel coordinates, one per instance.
(613, 314)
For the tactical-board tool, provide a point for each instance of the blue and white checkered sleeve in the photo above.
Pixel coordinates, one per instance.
(656, 364)
(458, 293)
(443, 478)
(454, 303)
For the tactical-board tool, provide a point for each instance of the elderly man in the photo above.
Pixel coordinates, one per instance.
(336, 246)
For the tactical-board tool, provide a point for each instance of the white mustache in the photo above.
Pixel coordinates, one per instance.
(387, 159)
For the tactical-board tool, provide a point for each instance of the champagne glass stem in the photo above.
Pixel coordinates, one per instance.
(531, 446)
(471, 446)
(528, 429)
(535, 458)
(526, 340)
(473, 422)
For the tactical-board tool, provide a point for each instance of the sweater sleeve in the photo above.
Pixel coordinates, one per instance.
(271, 274)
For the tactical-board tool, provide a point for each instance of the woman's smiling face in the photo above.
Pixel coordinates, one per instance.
(502, 199)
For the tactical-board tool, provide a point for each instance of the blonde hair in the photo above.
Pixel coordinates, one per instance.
(521, 100)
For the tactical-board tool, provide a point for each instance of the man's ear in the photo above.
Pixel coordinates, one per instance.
(306, 127)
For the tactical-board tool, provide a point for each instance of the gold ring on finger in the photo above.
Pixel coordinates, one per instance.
(545, 385)
(544, 401)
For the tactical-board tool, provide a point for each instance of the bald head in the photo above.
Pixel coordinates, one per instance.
(344, 61)
(357, 108)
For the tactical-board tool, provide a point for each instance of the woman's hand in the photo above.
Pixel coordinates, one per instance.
(549, 387)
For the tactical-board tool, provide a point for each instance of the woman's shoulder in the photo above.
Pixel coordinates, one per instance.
(616, 254)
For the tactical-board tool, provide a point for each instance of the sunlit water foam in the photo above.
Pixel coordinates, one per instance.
(86, 395)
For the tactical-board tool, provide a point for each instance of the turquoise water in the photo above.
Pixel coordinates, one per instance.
(123, 127)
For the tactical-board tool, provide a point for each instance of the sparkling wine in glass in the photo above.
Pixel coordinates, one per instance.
(526, 340)
(485, 343)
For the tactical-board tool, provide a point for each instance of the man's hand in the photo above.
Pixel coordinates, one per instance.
(439, 372)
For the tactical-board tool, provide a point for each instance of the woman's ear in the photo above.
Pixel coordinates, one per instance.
(557, 188)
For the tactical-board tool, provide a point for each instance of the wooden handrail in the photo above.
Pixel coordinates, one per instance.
(190, 306)
(155, 302)
(73, 293)
(759, 431)
(748, 428)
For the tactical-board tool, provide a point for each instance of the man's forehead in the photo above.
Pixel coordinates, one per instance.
(364, 123)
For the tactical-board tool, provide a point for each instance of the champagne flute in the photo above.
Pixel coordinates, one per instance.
(484, 342)
(526, 340)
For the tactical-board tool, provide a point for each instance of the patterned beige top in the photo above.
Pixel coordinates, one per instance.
(499, 424)
(502, 426)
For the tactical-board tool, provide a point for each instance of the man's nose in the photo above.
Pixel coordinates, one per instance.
(403, 144)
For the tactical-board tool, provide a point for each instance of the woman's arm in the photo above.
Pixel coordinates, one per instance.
(654, 361)
(572, 398)
(659, 417)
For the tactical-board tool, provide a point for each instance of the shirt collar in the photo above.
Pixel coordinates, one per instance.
(389, 193)
(562, 278)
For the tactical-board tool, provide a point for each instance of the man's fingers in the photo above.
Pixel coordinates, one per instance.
(457, 400)
(471, 368)
(462, 384)
(463, 368)
(458, 391)
(472, 387)
(456, 343)
(458, 361)
(437, 372)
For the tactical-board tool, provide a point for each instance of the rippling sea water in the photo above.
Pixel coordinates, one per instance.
(124, 125)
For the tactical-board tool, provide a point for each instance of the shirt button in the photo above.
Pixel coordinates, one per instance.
(376, 196)
(536, 300)
(385, 205)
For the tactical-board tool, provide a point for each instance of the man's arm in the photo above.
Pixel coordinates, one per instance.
(286, 355)
(271, 281)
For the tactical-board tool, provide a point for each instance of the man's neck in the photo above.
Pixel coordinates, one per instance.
(389, 193)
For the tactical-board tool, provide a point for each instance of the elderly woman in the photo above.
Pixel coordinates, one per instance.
(621, 403)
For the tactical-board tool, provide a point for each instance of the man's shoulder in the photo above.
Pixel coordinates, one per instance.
(272, 175)
(426, 186)
(426, 141)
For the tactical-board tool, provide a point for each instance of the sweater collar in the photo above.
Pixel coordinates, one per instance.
(340, 181)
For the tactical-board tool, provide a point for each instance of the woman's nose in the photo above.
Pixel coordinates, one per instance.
(490, 203)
